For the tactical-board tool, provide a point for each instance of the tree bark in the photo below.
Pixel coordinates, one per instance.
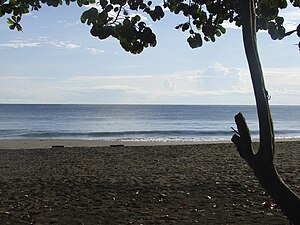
(262, 162)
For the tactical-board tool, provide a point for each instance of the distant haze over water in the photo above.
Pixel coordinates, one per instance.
(138, 122)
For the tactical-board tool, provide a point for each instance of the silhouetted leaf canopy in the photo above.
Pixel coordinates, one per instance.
(122, 19)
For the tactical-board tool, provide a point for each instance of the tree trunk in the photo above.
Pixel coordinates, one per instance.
(262, 162)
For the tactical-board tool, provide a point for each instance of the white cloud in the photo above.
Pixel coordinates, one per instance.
(20, 44)
(282, 82)
(220, 78)
(38, 42)
(30, 90)
(45, 42)
(101, 78)
(30, 14)
(169, 85)
(178, 84)
(63, 44)
(106, 87)
(95, 51)
(16, 77)
(222, 85)
(67, 24)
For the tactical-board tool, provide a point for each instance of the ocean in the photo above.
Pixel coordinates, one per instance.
(138, 122)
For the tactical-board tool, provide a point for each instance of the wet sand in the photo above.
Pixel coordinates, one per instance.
(159, 184)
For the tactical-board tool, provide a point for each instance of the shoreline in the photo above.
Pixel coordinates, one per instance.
(69, 143)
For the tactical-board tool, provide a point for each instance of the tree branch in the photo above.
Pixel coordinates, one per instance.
(243, 140)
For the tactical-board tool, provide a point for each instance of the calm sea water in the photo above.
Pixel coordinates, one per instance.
(137, 122)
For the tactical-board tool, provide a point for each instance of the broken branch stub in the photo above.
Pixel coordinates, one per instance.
(243, 140)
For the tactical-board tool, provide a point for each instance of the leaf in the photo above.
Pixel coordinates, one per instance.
(9, 21)
(143, 6)
(281, 33)
(148, 37)
(262, 23)
(295, 3)
(108, 8)
(279, 20)
(18, 19)
(178, 26)
(282, 4)
(104, 33)
(222, 29)
(89, 15)
(273, 33)
(272, 30)
(118, 2)
(141, 25)
(103, 3)
(94, 31)
(79, 3)
(136, 19)
(19, 27)
(185, 27)
(157, 13)
(133, 4)
(12, 27)
(195, 41)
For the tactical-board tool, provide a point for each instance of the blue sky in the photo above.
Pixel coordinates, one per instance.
(56, 60)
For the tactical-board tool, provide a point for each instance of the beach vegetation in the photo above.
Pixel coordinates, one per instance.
(203, 21)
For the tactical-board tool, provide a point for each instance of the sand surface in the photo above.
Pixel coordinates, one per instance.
(176, 184)
(48, 143)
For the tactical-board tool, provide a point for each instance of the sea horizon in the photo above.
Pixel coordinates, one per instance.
(138, 122)
(166, 104)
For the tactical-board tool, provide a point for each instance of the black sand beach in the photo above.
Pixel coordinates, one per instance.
(170, 184)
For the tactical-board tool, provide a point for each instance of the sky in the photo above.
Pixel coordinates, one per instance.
(55, 60)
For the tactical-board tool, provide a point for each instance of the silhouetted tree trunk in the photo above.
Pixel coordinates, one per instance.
(262, 162)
